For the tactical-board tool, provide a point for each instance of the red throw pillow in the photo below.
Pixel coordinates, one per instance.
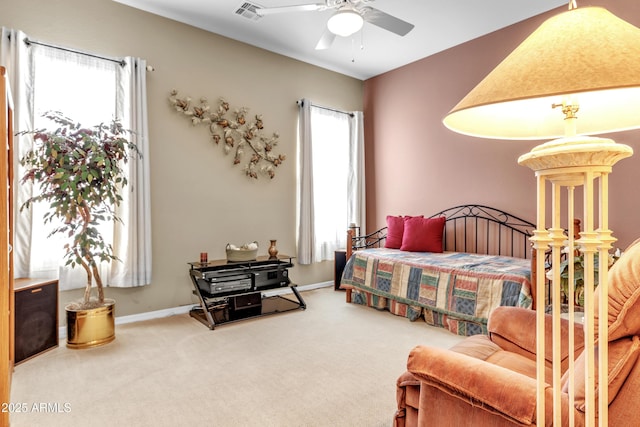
(395, 230)
(423, 234)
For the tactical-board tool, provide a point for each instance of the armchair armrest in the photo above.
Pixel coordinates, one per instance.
(514, 329)
(481, 384)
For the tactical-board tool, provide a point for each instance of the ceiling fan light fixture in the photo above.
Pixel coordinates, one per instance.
(345, 22)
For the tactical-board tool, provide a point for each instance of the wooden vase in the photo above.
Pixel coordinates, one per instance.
(273, 251)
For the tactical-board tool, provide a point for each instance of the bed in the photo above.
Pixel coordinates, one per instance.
(481, 259)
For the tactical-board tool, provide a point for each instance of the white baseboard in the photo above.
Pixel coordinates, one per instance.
(284, 291)
(167, 312)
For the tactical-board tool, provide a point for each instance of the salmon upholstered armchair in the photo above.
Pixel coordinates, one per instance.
(491, 380)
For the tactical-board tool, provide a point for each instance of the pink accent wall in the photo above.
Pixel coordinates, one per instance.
(415, 165)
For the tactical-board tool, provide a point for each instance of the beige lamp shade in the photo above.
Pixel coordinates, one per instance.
(586, 56)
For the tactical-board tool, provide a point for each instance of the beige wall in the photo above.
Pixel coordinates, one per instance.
(417, 166)
(200, 201)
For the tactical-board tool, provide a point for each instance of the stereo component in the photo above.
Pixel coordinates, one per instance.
(36, 317)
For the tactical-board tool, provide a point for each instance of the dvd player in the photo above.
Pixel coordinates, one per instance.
(216, 284)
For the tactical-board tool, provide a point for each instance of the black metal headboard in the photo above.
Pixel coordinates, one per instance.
(472, 228)
(486, 230)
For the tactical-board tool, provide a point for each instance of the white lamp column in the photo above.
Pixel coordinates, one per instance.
(566, 164)
(584, 60)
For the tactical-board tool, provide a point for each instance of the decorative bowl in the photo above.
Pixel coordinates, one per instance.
(246, 252)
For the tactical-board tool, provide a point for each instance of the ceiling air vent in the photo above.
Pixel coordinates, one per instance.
(248, 10)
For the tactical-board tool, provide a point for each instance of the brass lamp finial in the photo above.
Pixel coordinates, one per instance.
(568, 109)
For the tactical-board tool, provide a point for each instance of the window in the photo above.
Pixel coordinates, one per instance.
(90, 90)
(331, 184)
(84, 89)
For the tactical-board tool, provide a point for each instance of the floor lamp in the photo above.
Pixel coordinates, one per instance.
(579, 71)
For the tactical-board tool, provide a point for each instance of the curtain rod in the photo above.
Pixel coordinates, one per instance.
(29, 42)
(301, 103)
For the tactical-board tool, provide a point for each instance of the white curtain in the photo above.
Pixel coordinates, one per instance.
(330, 181)
(17, 58)
(132, 238)
(120, 94)
(305, 215)
(356, 181)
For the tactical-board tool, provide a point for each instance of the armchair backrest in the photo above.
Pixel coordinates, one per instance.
(624, 295)
(624, 326)
(623, 356)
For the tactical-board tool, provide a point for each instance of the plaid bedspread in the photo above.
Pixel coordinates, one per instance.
(451, 285)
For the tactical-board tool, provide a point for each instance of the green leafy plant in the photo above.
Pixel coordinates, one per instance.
(578, 275)
(80, 172)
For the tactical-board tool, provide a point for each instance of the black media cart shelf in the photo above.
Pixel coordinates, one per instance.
(231, 291)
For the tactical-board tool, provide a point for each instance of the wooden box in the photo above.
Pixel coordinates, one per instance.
(36, 317)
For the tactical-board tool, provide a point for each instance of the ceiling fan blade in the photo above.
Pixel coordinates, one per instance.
(326, 40)
(386, 21)
(263, 11)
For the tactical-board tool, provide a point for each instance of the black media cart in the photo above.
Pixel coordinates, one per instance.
(231, 291)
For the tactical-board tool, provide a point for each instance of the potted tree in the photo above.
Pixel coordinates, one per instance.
(80, 172)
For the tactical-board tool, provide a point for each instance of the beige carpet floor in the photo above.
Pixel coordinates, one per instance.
(333, 364)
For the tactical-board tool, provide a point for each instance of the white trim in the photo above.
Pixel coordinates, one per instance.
(284, 291)
(167, 312)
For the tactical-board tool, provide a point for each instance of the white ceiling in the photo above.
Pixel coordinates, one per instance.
(439, 25)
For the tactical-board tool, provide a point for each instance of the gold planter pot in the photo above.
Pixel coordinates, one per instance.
(91, 327)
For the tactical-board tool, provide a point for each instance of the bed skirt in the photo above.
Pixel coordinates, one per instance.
(457, 326)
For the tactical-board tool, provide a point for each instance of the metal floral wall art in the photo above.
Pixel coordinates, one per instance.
(236, 132)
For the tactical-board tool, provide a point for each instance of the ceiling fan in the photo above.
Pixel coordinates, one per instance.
(349, 17)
